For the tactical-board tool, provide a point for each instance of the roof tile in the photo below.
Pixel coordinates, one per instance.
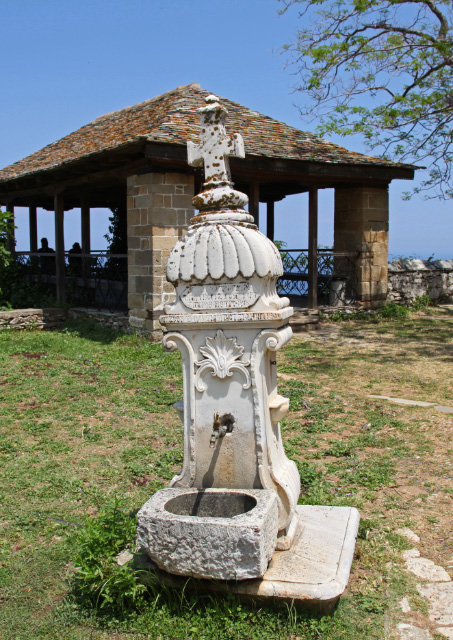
(172, 118)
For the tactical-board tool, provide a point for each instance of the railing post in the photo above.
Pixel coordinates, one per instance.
(313, 248)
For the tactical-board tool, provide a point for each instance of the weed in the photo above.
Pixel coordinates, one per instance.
(421, 302)
(389, 311)
(164, 464)
(98, 580)
(340, 448)
(370, 473)
(393, 310)
(308, 473)
(297, 392)
(340, 316)
(380, 419)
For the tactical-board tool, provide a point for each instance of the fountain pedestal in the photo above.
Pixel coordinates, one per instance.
(228, 322)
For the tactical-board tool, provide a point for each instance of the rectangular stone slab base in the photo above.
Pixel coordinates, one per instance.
(313, 573)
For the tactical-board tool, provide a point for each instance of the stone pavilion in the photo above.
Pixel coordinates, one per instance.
(135, 160)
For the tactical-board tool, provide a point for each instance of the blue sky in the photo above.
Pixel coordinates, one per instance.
(65, 62)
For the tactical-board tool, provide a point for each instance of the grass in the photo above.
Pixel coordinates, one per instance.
(86, 419)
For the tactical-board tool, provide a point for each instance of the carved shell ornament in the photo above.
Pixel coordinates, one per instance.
(223, 250)
(221, 357)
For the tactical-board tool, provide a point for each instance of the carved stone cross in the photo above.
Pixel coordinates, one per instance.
(215, 145)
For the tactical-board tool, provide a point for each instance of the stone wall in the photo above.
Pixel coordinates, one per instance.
(409, 279)
(116, 320)
(32, 319)
(55, 318)
(361, 225)
(159, 207)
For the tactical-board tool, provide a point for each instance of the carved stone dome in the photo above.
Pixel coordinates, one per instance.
(223, 250)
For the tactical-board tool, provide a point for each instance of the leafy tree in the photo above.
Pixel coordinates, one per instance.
(117, 233)
(116, 268)
(382, 69)
(6, 229)
(15, 291)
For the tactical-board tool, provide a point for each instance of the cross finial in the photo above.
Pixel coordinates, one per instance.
(215, 146)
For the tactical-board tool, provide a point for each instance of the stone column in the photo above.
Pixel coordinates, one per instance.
(159, 207)
(361, 225)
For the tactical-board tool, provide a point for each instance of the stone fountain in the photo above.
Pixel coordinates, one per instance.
(231, 514)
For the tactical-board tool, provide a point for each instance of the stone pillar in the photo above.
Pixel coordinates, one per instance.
(159, 207)
(361, 225)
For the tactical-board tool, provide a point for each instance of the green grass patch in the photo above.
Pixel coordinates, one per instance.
(88, 433)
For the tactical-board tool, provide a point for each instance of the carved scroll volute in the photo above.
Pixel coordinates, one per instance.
(172, 342)
(276, 470)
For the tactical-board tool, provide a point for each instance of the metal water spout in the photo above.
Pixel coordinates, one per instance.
(215, 431)
(222, 426)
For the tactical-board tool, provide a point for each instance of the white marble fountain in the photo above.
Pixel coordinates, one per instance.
(232, 514)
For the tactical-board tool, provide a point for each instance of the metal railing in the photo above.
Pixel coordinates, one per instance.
(336, 279)
(97, 279)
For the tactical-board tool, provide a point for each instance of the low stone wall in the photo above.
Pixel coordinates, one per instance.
(409, 279)
(32, 319)
(55, 318)
(118, 321)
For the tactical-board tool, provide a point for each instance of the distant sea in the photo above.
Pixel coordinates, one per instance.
(417, 256)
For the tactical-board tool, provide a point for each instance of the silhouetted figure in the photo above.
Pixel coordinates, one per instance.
(46, 262)
(74, 259)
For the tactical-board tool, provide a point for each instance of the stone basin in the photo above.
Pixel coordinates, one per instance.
(209, 504)
(225, 534)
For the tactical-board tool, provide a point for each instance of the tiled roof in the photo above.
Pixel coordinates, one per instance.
(172, 119)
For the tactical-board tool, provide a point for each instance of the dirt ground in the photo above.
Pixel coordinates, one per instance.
(410, 360)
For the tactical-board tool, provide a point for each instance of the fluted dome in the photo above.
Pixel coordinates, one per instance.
(223, 250)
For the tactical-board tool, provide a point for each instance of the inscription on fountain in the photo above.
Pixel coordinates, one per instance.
(238, 295)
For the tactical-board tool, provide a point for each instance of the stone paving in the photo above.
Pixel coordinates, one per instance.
(437, 589)
(411, 632)
(414, 403)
